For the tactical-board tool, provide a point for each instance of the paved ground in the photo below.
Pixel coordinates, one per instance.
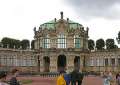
(91, 80)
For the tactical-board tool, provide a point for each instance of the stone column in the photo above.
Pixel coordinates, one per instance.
(41, 64)
(38, 43)
(70, 42)
(82, 42)
(35, 44)
(53, 63)
(55, 42)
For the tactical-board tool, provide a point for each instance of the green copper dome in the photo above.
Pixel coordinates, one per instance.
(51, 24)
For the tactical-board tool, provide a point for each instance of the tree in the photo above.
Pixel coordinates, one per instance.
(115, 46)
(100, 44)
(5, 42)
(91, 44)
(110, 44)
(118, 38)
(10, 43)
(25, 44)
(17, 44)
(32, 44)
(0, 44)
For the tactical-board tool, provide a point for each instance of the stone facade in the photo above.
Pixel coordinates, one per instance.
(59, 37)
(22, 59)
(104, 60)
(27, 60)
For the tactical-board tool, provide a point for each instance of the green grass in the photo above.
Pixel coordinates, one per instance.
(26, 81)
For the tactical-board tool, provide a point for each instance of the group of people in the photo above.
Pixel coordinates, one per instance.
(108, 78)
(13, 80)
(73, 78)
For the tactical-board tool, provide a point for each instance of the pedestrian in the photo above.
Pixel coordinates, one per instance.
(60, 79)
(106, 79)
(3, 76)
(13, 80)
(67, 78)
(118, 79)
(62, 71)
(76, 76)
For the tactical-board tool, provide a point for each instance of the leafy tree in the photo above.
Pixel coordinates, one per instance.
(100, 44)
(25, 44)
(118, 38)
(5, 41)
(115, 46)
(17, 44)
(91, 44)
(110, 44)
(32, 44)
(0, 44)
(10, 43)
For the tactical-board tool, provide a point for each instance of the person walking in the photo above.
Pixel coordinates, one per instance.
(76, 76)
(3, 76)
(60, 79)
(106, 79)
(62, 70)
(13, 80)
(118, 79)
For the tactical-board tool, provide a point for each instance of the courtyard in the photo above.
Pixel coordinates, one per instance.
(37, 80)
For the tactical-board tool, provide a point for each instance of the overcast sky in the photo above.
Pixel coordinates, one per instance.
(19, 17)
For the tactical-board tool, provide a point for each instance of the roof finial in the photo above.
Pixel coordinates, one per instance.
(61, 14)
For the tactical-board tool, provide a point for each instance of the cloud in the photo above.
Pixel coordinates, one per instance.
(109, 9)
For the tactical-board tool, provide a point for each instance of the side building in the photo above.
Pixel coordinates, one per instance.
(21, 59)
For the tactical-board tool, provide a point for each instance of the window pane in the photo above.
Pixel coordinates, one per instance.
(46, 42)
(118, 61)
(77, 41)
(61, 41)
(106, 62)
(113, 61)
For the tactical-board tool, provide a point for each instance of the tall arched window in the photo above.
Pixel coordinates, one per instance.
(46, 42)
(76, 41)
(61, 41)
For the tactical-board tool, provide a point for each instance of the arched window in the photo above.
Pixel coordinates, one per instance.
(61, 41)
(76, 41)
(46, 42)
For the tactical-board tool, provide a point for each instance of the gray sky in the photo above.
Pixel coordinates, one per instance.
(19, 17)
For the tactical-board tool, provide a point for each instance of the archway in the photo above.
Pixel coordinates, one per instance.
(77, 63)
(61, 63)
(46, 63)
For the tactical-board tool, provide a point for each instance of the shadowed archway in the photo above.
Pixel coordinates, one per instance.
(77, 63)
(61, 63)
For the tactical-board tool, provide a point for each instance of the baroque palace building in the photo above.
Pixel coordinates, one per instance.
(55, 38)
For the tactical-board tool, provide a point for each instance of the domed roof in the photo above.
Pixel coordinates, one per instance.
(51, 24)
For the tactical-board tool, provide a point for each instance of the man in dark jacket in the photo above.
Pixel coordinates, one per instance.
(3, 78)
(13, 80)
(76, 76)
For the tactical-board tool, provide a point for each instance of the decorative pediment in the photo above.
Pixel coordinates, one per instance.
(61, 26)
